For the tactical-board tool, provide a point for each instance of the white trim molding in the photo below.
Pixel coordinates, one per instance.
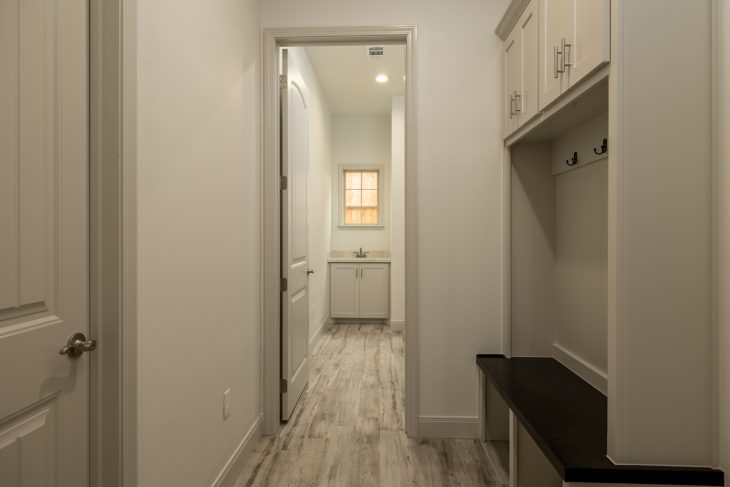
(234, 466)
(129, 243)
(449, 426)
(324, 324)
(398, 326)
(273, 39)
(588, 372)
(338, 199)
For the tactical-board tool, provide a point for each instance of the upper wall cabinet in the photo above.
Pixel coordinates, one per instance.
(520, 70)
(574, 41)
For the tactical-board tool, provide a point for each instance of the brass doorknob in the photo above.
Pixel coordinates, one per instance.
(76, 345)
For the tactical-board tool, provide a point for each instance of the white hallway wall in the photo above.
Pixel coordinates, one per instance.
(319, 191)
(360, 140)
(199, 233)
(459, 181)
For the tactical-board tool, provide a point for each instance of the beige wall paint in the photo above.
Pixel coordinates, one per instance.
(723, 105)
(458, 106)
(581, 263)
(199, 231)
(359, 141)
(319, 190)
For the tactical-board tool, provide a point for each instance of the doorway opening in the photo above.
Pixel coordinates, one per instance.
(339, 216)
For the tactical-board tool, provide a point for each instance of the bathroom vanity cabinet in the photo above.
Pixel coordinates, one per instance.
(360, 290)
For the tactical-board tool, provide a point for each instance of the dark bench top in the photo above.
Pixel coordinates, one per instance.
(567, 418)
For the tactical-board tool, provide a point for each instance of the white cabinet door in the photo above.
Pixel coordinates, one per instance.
(556, 26)
(345, 290)
(374, 290)
(591, 38)
(512, 74)
(527, 30)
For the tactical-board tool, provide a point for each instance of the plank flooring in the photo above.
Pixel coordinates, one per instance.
(347, 429)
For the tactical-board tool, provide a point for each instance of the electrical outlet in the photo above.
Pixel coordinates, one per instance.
(226, 403)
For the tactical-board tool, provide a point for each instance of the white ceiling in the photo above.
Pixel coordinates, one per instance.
(347, 77)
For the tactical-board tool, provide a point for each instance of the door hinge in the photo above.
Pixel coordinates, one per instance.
(283, 386)
(283, 284)
(283, 183)
(282, 81)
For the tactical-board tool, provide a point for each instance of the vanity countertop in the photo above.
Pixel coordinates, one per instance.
(349, 256)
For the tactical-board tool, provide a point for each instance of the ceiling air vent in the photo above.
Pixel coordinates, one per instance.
(375, 52)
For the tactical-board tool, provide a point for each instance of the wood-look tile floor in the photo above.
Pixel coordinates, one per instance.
(347, 429)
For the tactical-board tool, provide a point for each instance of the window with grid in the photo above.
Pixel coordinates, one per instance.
(361, 197)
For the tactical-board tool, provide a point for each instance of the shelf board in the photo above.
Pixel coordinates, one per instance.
(582, 103)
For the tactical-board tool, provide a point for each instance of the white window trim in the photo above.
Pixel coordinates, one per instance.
(382, 187)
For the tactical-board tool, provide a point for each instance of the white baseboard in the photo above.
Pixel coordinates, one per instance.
(233, 467)
(580, 367)
(398, 325)
(448, 427)
(318, 334)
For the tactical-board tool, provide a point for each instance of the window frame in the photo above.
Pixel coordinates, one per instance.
(342, 169)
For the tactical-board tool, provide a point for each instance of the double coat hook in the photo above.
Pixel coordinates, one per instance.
(604, 148)
(573, 160)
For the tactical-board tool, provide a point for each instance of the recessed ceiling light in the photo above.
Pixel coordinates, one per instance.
(382, 78)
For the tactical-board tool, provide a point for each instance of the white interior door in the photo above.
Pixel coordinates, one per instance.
(295, 261)
(44, 403)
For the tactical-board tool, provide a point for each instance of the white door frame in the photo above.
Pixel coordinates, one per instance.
(112, 245)
(271, 265)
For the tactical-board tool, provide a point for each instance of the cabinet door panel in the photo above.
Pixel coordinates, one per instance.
(374, 290)
(591, 41)
(556, 18)
(344, 291)
(512, 68)
(528, 30)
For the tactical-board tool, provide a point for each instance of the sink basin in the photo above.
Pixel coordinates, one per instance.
(349, 256)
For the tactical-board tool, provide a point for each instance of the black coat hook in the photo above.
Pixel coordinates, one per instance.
(604, 147)
(573, 160)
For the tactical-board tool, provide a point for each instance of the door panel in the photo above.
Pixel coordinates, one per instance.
(344, 290)
(555, 24)
(295, 308)
(512, 61)
(43, 242)
(528, 29)
(592, 43)
(374, 290)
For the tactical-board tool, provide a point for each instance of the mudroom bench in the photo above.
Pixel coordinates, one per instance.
(556, 426)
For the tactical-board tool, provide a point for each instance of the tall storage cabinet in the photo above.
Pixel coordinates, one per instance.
(575, 39)
(660, 282)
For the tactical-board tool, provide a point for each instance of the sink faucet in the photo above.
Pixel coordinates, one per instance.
(361, 254)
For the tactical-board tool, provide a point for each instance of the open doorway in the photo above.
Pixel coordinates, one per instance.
(337, 163)
(342, 226)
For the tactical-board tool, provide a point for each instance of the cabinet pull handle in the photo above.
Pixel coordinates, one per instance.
(566, 53)
(518, 97)
(511, 106)
(555, 62)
